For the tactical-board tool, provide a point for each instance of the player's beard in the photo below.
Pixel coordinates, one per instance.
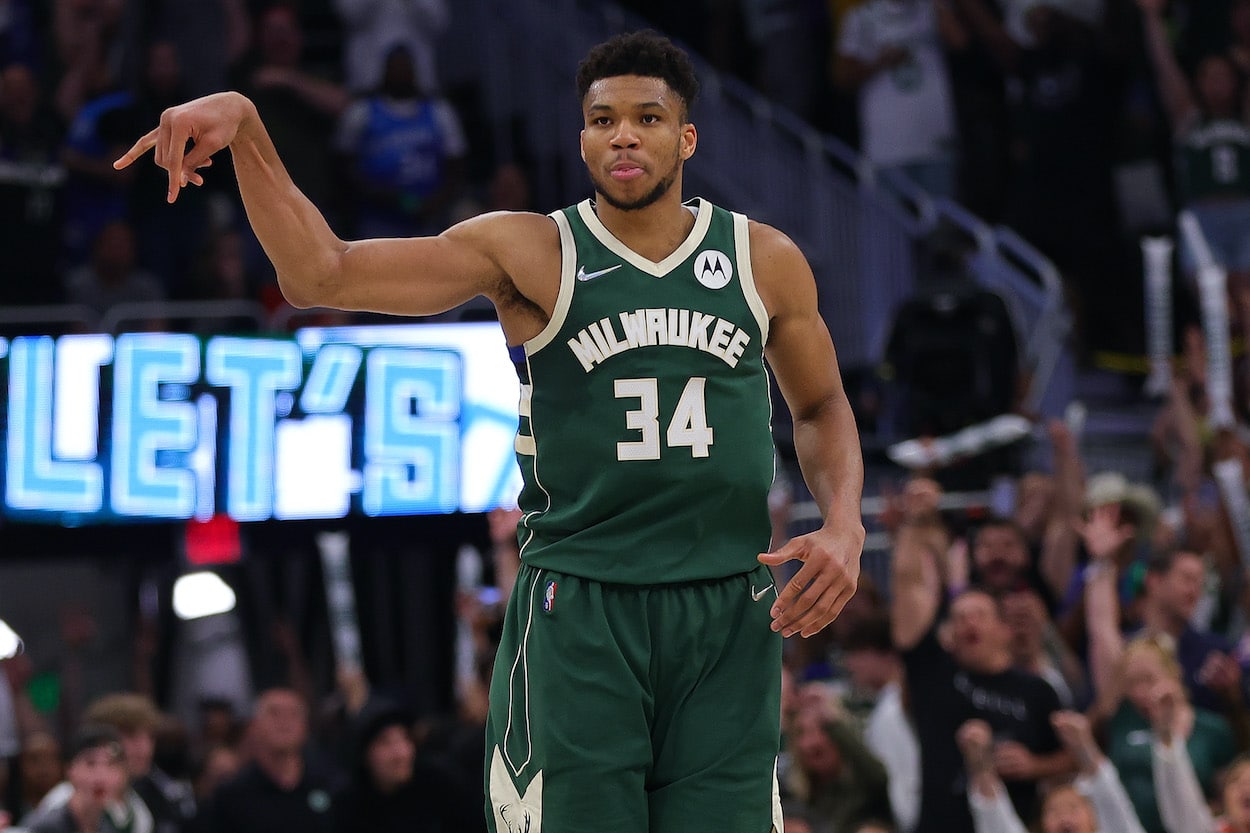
(661, 188)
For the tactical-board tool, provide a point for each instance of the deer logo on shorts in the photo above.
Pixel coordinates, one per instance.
(515, 812)
(521, 825)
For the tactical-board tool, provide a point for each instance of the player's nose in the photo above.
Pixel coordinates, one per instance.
(625, 136)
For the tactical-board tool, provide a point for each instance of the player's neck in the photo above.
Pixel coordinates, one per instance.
(654, 232)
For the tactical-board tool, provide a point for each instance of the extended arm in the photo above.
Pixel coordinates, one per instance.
(1098, 779)
(1059, 543)
(417, 276)
(1181, 803)
(1173, 86)
(915, 587)
(992, 811)
(802, 357)
(1104, 535)
(1111, 803)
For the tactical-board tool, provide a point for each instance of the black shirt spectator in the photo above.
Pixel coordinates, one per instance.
(1015, 704)
(252, 802)
(394, 792)
(283, 789)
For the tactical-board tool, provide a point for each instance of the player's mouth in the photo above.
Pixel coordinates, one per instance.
(625, 171)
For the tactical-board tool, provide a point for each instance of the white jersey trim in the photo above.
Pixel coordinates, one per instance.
(702, 219)
(568, 265)
(746, 277)
(521, 663)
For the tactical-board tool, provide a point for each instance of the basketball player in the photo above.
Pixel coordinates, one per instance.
(637, 684)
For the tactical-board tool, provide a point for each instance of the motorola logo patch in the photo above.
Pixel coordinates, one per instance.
(713, 269)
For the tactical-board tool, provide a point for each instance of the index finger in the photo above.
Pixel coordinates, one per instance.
(175, 156)
(146, 142)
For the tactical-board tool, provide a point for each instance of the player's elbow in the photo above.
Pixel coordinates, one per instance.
(297, 293)
(312, 284)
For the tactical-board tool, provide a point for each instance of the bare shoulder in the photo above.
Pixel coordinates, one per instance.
(504, 234)
(782, 274)
(525, 248)
(770, 242)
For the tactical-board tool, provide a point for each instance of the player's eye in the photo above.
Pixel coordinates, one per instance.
(650, 118)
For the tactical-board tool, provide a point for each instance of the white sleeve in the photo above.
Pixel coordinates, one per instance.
(994, 815)
(1111, 803)
(1181, 803)
(454, 143)
(351, 125)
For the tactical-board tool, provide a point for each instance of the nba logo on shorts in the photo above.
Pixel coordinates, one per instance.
(549, 597)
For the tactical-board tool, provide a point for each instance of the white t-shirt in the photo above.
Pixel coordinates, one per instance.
(890, 737)
(906, 112)
(373, 27)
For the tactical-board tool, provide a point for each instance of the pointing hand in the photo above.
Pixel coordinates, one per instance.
(209, 124)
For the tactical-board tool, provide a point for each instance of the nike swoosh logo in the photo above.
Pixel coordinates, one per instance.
(583, 275)
(755, 597)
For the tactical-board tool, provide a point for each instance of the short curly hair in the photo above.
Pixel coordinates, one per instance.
(646, 53)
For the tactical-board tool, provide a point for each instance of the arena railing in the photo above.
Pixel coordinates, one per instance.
(208, 316)
(49, 319)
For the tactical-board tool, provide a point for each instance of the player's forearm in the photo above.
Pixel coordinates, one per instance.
(304, 251)
(827, 444)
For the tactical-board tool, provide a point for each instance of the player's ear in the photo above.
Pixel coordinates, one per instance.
(581, 143)
(689, 140)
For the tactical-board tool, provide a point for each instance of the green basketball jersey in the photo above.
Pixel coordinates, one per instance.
(1214, 160)
(644, 437)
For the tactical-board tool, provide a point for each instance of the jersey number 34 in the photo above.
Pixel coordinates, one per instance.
(687, 428)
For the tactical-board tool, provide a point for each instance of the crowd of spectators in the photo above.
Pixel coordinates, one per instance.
(361, 125)
(1081, 124)
(1075, 665)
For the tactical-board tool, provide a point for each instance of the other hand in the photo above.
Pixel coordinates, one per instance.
(975, 739)
(1077, 737)
(823, 585)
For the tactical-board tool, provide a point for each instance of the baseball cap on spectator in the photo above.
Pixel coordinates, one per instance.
(93, 736)
(126, 712)
(1139, 504)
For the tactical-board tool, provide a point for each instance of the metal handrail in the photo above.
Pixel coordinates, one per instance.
(81, 317)
(224, 309)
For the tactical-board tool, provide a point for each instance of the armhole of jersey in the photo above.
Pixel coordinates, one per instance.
(568, 263)
(742, 253)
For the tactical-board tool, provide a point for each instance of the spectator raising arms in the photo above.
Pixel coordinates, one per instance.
(967, 674)
(1209, 125)
(1138, 687)
(1094, 803)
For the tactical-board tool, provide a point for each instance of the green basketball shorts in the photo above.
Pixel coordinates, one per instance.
(635, 709)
